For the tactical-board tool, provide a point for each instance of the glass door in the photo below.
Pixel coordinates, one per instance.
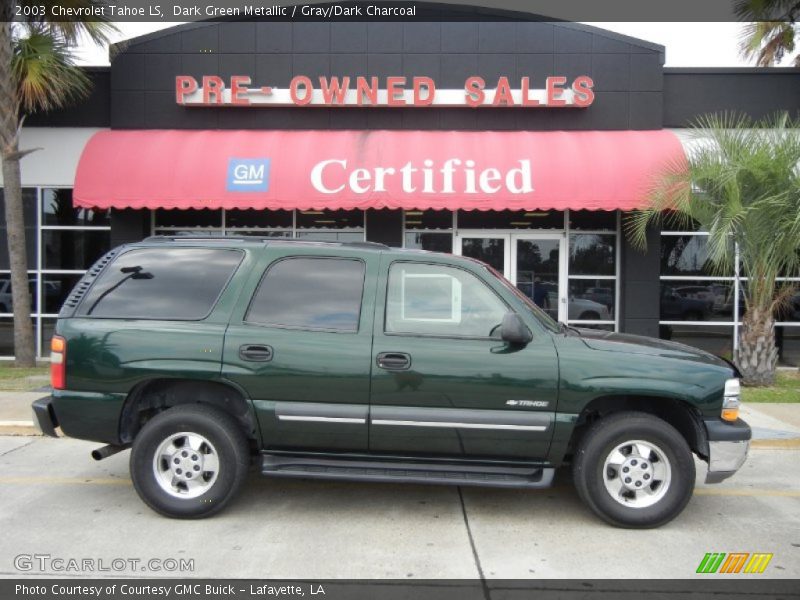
(538, 270)
(534, 262)
(492, 248)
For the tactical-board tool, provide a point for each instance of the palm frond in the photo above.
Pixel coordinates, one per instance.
(766, 10)
(71, 29)
(45, 73)
(741, 184)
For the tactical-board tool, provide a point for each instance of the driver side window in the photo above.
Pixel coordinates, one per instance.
(426, 299)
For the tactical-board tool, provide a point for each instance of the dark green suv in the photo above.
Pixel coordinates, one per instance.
(364, 362)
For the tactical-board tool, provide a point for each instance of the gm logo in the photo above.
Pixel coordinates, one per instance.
(248, 175)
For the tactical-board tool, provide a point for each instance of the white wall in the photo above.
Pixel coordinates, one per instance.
(55, 164)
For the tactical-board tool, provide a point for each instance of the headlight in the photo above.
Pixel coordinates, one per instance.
(730, 402)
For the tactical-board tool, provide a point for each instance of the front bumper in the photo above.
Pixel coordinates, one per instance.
(44, 416)
(728, 444)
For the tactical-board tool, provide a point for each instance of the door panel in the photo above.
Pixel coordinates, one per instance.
(472, 396)
(308, 379)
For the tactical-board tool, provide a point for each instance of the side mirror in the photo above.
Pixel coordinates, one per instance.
(514, 331)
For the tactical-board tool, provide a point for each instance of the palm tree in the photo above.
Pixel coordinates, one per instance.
(740, 181)
(771, 31)
(37, 72)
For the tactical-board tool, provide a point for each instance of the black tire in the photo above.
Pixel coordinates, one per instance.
(599, 442)
(226, 439)
(589, 316)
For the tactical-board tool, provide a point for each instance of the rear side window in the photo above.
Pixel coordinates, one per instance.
(310, 293)
(175, 284)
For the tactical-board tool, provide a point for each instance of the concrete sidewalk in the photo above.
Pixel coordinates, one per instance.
(773, 424)
(16, 416)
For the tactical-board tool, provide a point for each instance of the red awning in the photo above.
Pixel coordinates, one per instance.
(486, 170)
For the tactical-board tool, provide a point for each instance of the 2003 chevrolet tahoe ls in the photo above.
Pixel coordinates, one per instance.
(363, 362)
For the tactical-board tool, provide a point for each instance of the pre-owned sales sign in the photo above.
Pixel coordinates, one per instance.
(214, 91)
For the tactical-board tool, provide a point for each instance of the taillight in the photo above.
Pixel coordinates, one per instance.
(58, 362)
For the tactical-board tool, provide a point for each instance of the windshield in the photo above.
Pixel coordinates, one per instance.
(542, 316)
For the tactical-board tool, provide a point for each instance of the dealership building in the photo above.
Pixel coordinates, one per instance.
(520, 143)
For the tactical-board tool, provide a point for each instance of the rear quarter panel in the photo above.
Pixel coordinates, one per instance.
(107, 358)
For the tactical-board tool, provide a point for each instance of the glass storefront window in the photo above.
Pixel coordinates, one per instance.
(428, 219)
(71, 240)
(691, 291)
(593, 220)
(258, 219)
(6, 302)
(55, 289)
(29, 216)
(489, 250)
(188, 218)
(702, 300)
(687, 255)
(790, 311)
(435, 242)
(6, 336)
(331, 236)
(57, 209)
(510, 219)
(787, 338)
(271, 233)
(592, 299)
(189, 232)
(330, 219)
(69, 249)
(592, 254)
(48, 328)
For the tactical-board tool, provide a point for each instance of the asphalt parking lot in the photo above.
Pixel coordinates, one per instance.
(57, 501)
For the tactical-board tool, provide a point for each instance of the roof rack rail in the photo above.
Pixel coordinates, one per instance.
(185, 237)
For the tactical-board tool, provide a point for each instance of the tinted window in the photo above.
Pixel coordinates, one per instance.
(57, 209)
(597, 220)
(71, 249)
(591, 254)
(29, 217)
(436, 242)
(310, 293)
(161, 283)
(440, 300)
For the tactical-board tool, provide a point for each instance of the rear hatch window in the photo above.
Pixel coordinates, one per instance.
(175, 284)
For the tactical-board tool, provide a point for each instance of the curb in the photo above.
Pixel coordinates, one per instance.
(19, 428)
(776, 443)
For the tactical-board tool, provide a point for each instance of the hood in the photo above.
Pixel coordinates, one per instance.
(637, 344)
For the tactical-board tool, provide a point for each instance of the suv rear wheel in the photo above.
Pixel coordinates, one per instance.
(189, 461)
(634, 470)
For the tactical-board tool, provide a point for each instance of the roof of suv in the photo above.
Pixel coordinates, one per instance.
(256, 239)
(248, 240)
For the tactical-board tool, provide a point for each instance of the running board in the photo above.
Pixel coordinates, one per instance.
(315, 467)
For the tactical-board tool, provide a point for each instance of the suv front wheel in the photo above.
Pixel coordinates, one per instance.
(189, 461)
(634, 470)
